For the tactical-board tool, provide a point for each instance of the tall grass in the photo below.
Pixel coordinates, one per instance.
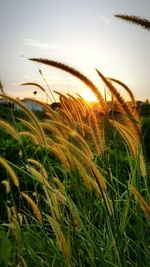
(79, 195)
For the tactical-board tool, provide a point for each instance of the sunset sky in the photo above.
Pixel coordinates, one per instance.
(82, 33)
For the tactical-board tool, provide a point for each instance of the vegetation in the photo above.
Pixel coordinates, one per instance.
(75, 182)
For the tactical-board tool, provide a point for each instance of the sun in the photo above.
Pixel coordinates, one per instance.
(88, 95)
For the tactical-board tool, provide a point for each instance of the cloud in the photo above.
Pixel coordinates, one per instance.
(41, 45)
(104, 19)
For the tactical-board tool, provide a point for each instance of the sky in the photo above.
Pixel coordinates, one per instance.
(81, 33)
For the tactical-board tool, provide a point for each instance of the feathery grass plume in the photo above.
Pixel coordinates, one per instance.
(64, 101)
(71, 106)
(132, 142)
(88, 181)
(60, 196)
(67, 119)
(107, 201)
(128, 132)
(10, 129)
(7, 186)
(67, 200)
(72, 109)
(34, 207)
(78, 105)
(63, 244)
(75, 73)
(93, 132)
(48, 201)
(83, 173)
(13, 212)
(76, 136)
(60, 125)
(13, 215)
(86, 161)
(15, 227)
(126, 88)
(33, 129)
(95, 186)
(50, 141)
(97, 130)
(38, 176)
(33, 138)
(51, 128)
(59, 153)
(29, 113)
(145, 207)
(91, 138)
(65, 104)
(55, 205)
(59, 184)
(121, 104)
(11, 172)
(84, 145)
(117, 95)
(145, 23)
(77, 113)
(8, 213)
(86, 127)
(59, 188)
(55, 115)
(130, 126)
(85, 105)
(68, 155)
(43, 172)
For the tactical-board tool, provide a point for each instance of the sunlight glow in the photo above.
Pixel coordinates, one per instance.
(88, 95)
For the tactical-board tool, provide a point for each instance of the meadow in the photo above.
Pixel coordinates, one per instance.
(74, 181)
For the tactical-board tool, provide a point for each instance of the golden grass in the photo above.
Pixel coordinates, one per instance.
(34, 207)
(62, 243)
(29, 113)
(132, 141)
(11, 172)
(36, 174)
(33, 138)
(43, 172)
(145, 207)
(10, 129)
(127, 89)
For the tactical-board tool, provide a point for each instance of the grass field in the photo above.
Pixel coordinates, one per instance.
(75, 182)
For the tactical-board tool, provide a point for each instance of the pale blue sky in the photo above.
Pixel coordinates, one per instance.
(82, 33)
